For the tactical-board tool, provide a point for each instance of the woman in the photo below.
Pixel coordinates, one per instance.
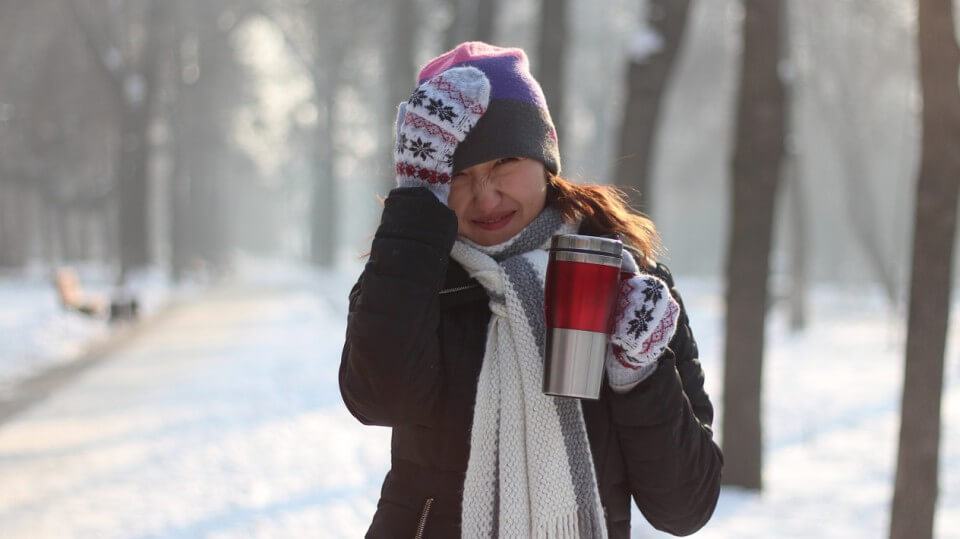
(445, 334)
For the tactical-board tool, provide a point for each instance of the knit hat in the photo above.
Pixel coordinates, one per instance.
(517, 122)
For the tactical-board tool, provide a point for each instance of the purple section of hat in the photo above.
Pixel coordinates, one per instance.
(507, 80)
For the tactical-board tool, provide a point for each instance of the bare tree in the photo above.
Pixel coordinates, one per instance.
(12, 217)
(552, 58)
(316, 34)
(13, 239)
(57, 124)
(653, 53)
(755, 178)
(471, 20)
(935, 224)
(131, 66)
(325, 215)
(850, 90)
(453, 34)
(209, 164)
(795, 190)
(799, 256)
(486, 20)
(186, 72)
(400, 54)
(327, 76)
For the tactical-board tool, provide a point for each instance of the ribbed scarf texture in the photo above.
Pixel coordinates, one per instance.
(530, 471)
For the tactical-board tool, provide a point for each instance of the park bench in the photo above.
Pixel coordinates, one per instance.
(120, 307)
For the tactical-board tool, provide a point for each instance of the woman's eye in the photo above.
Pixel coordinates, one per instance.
(504, 160)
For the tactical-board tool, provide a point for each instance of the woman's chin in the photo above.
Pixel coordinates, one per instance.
(487, 238)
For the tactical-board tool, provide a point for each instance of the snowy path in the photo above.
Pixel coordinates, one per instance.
(224, 421)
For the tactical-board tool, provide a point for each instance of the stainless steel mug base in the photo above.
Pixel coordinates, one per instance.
(580, 372)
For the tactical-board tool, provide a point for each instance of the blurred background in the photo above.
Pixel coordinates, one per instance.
(187, 189)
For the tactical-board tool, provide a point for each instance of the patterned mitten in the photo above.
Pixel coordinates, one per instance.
(645, 322)
(433, 121)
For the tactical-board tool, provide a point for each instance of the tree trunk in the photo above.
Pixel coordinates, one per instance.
(132, 182)
(51, 221)
(400, 54)
(451, 37)
(179, 193)
(756, 175)
(323, 236)
(327, 74)
(862, 211)
(36, 234)
(651, 64)
(62, 220)
(552, 58)
(843, 108)
(7, 226)
(799, 251)
(485, 20)
(471, 20)
(207, 98)
(799, 255)
(186, 63)
(190, 125)
(182, 246)
(13, 225)
(325, 217)
(134, 90)
(935, 223)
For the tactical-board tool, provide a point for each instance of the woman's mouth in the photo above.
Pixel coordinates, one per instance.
(494, 222)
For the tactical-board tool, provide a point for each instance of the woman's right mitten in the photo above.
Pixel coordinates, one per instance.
(437, 117)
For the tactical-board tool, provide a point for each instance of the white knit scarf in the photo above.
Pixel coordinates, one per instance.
(530, 472)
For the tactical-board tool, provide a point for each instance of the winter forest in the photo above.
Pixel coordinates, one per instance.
(188, 191)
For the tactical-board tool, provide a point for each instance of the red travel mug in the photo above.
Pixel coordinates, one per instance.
(582, 283)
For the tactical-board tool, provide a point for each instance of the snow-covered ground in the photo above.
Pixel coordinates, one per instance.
(831, 424)
(36, 332)
(225, 421)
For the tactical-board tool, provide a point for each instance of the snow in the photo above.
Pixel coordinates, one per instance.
(224, 420)
(36, 333)
(831, 425)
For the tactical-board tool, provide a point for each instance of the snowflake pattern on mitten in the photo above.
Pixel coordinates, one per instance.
(645, 322)
(438, 116)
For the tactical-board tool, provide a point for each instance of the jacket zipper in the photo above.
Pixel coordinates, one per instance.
(423, 518)
(458, 289)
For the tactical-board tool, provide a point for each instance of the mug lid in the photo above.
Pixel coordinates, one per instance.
(587, 244)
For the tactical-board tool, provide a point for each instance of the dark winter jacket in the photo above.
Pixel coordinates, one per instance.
(414, 346)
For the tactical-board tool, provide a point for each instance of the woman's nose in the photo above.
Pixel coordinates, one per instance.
(486, 195)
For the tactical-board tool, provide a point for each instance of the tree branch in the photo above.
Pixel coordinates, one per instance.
(116, 70)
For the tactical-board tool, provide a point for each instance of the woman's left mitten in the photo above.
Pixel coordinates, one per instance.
(430, 125)
(645, 322)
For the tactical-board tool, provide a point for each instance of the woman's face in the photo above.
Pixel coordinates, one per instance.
(497, 199)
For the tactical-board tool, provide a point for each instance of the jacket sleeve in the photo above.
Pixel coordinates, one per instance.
(663, 425)
(390, 370)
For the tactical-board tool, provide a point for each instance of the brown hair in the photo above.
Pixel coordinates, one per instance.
(605, 210)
